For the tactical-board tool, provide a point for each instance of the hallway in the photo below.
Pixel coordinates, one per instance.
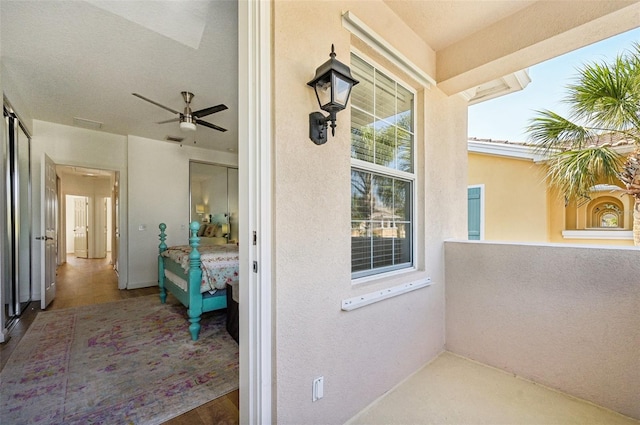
(83, 281)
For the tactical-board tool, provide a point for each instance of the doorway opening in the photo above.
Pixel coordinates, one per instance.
(88, 230)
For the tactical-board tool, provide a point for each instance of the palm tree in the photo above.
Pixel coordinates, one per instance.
(604, 107)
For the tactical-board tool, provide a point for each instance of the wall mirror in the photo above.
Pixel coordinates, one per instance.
(213, 194)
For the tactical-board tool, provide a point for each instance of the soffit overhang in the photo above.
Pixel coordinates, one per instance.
(506, 36)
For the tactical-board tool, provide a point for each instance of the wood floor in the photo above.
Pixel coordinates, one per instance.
(83, 282)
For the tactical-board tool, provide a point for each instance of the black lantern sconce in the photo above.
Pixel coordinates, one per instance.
(333, 83)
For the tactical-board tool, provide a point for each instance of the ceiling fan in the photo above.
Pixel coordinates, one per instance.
(189, 119)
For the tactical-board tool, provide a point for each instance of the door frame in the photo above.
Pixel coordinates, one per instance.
(255, 175)
(118, 223)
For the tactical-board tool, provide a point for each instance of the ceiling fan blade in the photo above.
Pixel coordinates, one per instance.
(208, 111)
(208, 124)
(155, 103)
(166, 121)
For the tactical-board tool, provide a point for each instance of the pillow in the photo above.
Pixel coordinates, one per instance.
(201, 230)
(210, 231)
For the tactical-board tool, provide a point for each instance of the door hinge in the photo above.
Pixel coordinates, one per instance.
(255, 237)
(255, 267)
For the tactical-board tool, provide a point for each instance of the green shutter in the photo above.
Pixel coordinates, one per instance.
(473, 196)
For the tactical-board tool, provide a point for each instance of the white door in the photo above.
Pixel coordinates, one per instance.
(50, 238)
(80, 223)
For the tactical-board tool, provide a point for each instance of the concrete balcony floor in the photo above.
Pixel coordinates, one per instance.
(455, 390)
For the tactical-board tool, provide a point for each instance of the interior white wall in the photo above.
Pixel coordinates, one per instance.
(563, 316)
(159, 193)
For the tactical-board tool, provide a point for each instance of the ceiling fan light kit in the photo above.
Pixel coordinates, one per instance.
(187, 126)
(189, 120)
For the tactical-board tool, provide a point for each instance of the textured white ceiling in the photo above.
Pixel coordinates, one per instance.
(73, 59)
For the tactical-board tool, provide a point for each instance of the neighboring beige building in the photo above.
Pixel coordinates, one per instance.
(516, 203)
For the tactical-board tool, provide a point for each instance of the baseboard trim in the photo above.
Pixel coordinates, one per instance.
(140, 285)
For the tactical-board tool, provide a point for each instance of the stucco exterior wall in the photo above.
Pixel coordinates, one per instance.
(563, 316)
(515, 197)
(365, 352)
(519, 207)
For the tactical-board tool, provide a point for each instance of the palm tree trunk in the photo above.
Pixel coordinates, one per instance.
(636, 222)
(630, 176)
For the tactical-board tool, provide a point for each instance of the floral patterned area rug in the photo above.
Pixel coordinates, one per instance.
(125, 362)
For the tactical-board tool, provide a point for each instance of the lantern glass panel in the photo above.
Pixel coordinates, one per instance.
(342, 88)
(323, 92)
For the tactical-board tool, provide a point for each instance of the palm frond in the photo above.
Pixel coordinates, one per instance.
(550, 132)
(607, 94)
(574, 172)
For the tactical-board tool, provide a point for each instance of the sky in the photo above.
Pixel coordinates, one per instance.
(506, 117)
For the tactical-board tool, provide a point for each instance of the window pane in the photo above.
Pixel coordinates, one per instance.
(402, 200)
(362, 136)
(404, 160)
(360, 195)
(402, 253)
(383, 249)
(360, 247)
(385, 98)
(385, 144)
(383, 200)
(405, 109)
(362, 93)
(380, 221)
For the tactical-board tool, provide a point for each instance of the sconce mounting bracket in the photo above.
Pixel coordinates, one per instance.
(318, 128)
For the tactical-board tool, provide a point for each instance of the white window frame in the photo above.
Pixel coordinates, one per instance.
(358, 164)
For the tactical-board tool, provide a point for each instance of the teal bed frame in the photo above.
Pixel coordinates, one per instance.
(195, 301)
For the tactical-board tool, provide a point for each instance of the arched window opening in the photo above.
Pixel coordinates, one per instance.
(607, 215)
(609, 219)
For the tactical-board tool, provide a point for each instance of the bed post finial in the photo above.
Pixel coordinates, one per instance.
(163, 237)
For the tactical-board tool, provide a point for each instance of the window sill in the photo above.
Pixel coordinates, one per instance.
(598, 234)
